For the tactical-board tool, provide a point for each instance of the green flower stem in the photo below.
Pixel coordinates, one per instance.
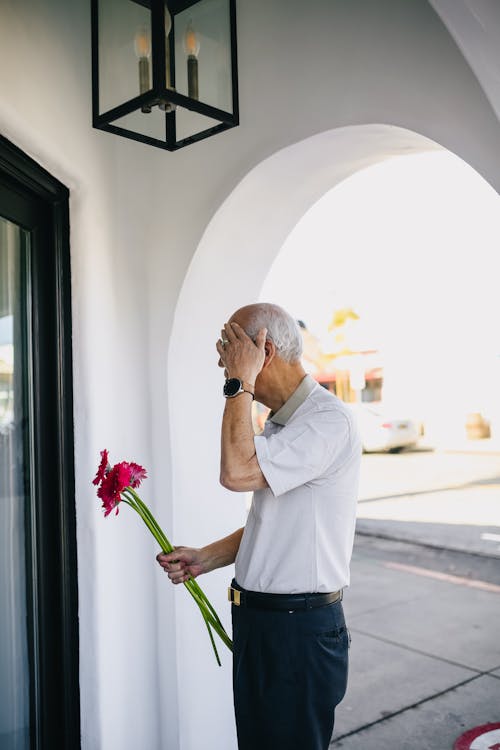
(145, 513)
(213, 643)
(206, 612)
(210, 617)
(192, 583)
(211, 621)
(145, 519)
(207, 623)
(165, 544)
(168, 547)
(197, 591)
(150, 522)
(219, 629)
(156, 532)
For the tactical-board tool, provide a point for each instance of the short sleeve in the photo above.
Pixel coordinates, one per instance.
(303, 451)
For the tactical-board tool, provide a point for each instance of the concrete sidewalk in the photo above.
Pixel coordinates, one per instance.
(487, 445)
(425, 653)
(445, 500)
(468, 538)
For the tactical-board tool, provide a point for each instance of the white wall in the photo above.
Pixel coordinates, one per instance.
(45, 110)
(148, 678)
(475, 26)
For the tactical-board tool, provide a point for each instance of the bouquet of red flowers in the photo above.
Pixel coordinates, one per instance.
(118, 484)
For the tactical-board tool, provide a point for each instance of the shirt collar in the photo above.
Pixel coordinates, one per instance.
(306, 385)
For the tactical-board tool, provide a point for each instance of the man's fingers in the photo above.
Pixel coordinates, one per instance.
(220, 348)
(169, 557)
(177, 564)
(173, 562)
(179, 578)
(173, 567)
(228, 333)
(260, 339)
(239, 331)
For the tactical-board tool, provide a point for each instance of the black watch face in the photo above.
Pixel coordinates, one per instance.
(231, 387)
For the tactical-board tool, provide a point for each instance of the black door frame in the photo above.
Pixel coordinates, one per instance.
(37, 201)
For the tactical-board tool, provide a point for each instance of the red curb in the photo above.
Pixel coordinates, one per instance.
(465, 740)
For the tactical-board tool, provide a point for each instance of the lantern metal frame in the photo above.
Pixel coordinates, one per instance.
(159, 93)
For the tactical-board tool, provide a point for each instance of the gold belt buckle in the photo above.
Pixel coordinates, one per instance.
(234, 596)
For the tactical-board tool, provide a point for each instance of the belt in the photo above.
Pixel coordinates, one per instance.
(283, 602)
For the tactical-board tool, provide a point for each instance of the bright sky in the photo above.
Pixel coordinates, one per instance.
(413, 245)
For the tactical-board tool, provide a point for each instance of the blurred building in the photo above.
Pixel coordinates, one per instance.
(353, 374)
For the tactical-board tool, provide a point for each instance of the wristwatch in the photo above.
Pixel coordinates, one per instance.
(234, 386)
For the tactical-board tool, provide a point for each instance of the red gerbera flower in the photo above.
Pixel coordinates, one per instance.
(117, 484)
(103, 469)
(137, 474)
(112, 485)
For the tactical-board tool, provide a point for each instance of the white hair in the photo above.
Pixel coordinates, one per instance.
(282, 329)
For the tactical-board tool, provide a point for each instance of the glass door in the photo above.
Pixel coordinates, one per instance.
(15, 500)
(39, 694)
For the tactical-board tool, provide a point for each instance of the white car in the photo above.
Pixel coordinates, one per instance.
(381, 432)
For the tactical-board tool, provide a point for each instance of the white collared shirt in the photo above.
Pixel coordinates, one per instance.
(300, 530)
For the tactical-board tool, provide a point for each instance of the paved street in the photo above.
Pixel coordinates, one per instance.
(433, 497)
(423, 612)
(425, 653)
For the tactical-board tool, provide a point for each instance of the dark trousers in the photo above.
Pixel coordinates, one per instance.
(289, 674)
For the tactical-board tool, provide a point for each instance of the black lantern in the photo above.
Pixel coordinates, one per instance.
(164, 73)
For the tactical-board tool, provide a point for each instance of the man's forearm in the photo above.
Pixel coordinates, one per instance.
(221, 553)
(239, 468)
(237, 446)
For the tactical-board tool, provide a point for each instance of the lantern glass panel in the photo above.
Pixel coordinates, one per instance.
(151, 124)
(203, 53)
(124, 52)
(191, 123)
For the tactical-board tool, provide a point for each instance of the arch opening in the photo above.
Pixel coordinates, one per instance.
(228, 270)
(397, 297)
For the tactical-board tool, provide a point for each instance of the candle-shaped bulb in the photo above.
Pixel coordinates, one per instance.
(142, 46)
(142, 43)
(191, 48)
(191, 41)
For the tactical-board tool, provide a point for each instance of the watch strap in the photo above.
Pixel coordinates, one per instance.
(243, 388)
(247, 388)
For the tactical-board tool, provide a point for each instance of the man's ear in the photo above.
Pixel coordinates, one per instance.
(270, 350)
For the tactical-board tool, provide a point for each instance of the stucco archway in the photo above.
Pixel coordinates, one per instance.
(228, 270)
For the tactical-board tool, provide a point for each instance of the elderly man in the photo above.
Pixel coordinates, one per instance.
(292, 558)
